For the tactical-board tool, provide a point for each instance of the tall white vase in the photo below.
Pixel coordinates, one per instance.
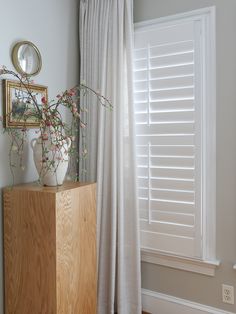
(52, 166)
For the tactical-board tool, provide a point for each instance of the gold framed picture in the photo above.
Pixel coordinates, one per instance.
(18, 107)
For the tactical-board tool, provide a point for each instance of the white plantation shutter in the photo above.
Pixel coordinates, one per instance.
(168, 82)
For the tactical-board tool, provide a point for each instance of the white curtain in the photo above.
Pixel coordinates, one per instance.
(106, 39)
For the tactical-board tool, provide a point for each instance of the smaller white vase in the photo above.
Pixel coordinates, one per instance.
(52, 166)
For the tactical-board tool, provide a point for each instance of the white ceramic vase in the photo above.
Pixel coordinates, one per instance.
(52, 166)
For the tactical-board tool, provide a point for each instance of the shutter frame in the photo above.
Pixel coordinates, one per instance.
(146, 102)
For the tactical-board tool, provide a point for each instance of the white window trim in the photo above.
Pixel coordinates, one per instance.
(208, 263)
(183, 263)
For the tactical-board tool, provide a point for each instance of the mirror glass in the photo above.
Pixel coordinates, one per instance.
(26, 58)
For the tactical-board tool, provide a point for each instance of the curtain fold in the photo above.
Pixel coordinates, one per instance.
(106, 46)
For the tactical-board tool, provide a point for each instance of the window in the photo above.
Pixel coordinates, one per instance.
(175, 134)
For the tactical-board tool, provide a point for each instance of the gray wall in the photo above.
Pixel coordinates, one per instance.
(195, 287)
(52, 26)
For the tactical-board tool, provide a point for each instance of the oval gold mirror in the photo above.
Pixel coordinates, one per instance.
(26, 58)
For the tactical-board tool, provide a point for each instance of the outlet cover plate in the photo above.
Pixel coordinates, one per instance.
(228, 294)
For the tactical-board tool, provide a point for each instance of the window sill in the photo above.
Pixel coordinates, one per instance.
(193, 265)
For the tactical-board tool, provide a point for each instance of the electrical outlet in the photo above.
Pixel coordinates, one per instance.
(228, 294)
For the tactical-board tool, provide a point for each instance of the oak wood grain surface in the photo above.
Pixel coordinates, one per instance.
(50, 249)
(76, 251)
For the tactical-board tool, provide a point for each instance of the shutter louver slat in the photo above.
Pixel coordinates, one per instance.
(167, 128)
(186, 115)
(140, 54)
(171, 82)
(183, 104)
(184, 196)
(163, 183)
(140, 75)
(174, 93)
(166, 173)
(172, 48)
(140, 64)
(158, 139)
(162, 216)
(169, 72)
(171, 60)
(178, 173)
(166, 161)
(173, 207)
(167, 228)
(166, 150)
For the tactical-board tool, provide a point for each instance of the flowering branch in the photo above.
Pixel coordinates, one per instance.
(54, 133)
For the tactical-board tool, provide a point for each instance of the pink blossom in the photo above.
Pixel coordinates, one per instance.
(44, 100)
(44, 136)
(71, 92)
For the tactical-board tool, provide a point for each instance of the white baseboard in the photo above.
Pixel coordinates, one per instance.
(158, 303)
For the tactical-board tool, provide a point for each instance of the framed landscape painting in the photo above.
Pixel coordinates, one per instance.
(18, 106)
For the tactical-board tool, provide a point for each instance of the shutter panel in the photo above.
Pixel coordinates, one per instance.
(167, 99)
